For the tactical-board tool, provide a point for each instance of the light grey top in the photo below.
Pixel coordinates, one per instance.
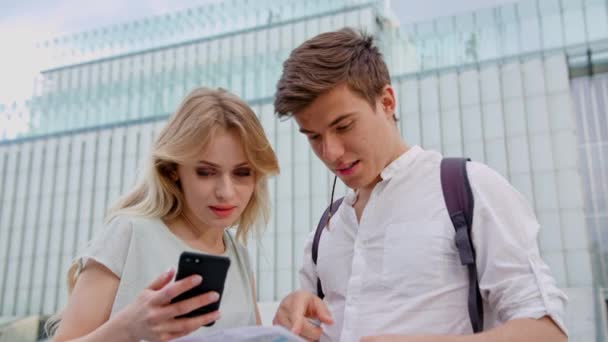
(139, 249)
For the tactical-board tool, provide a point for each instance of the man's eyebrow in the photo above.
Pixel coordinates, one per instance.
(333, 123)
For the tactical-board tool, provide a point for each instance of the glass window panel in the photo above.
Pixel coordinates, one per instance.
(448, 86)
(511, 80)
(474, 150)
(555, 261)
(490, 84)
(517, 149)
(523, 183)
(471, 123)
(266, 287)
(431, 127)
(410, 98)
(533, 77)
(469, 88)
(429, 94)
(569, 191)
(514, 115)
(303, 217)
(550, 240)
(596, 15)
(284, 251)
(284, 286)
(574, 229)
(574, 23)
(496, 156)
(579, 268)
(564, 145)
(411, 128)
(493, 126)
(541, 151)
(450, 125)
(545, 192)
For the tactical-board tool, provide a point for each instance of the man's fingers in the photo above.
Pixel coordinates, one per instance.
(282, 318)
(311, 331)
(297, 318)
(167, 293)
(162, 280)
(321, 312)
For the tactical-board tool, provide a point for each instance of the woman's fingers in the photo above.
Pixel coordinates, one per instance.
(162, 280)
(188, 305)
(186, 325)
(168, 292)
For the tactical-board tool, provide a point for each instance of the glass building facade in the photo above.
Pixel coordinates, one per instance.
(522, 87)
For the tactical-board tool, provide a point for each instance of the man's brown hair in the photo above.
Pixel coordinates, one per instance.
(328, 60)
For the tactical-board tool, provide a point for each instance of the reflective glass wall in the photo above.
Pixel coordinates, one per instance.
(510, 30)
(151, 84)
(212, 19)
(516, 116)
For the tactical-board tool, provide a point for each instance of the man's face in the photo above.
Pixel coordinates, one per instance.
(354, 140)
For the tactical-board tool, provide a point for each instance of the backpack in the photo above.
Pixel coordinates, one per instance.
(459, 201)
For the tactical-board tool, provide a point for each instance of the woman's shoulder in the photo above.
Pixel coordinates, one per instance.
(132, 222)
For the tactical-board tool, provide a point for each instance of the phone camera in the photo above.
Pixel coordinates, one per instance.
(196, 260)
(188, 260)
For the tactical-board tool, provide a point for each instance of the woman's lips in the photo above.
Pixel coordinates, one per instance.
(221, 211)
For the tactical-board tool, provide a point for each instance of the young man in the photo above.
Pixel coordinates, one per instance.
(387, 262)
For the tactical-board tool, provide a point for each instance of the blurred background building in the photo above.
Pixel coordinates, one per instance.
(522, 87)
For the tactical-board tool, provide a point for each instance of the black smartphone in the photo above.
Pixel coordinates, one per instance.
(212, 268)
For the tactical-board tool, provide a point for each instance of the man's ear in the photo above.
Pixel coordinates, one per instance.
(388, 102)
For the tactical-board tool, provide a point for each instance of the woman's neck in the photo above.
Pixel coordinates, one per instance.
(197, 235)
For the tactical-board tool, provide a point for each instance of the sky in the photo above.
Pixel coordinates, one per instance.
(25, 22)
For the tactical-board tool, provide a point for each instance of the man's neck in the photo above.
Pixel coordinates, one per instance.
(363, 194)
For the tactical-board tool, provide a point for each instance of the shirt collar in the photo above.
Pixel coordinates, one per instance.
(393, 168)
(400, 163)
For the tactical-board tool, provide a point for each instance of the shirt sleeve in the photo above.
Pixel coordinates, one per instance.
(308, 271)
(513, 278)
(110, 247)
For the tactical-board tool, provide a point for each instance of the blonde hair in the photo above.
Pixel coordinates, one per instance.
(188, 131)
(202, 113)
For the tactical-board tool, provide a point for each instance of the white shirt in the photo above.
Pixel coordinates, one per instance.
(398, 270)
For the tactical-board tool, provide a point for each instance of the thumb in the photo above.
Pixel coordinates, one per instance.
(162, 280)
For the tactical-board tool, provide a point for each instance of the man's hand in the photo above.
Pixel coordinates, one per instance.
(295, 310)
(400, 338)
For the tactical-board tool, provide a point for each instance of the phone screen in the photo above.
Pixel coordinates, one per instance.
(212, 268)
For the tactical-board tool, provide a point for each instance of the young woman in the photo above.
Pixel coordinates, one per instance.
(207, 172)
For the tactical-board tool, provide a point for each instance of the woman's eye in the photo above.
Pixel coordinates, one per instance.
(243, 172)
(204, 172)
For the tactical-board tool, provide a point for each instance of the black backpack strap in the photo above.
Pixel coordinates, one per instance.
(459, 202)
(315, 242)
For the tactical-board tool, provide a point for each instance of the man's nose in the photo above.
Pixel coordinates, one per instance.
(333, 149)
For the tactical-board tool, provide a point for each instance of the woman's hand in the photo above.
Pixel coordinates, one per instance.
(151, 316)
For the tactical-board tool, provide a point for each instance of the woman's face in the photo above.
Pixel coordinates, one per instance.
(218, 185)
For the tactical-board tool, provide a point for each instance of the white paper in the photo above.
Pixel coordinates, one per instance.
(246, 334)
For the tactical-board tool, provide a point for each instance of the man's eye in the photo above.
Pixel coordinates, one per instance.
(313, 137)
(344, 127)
